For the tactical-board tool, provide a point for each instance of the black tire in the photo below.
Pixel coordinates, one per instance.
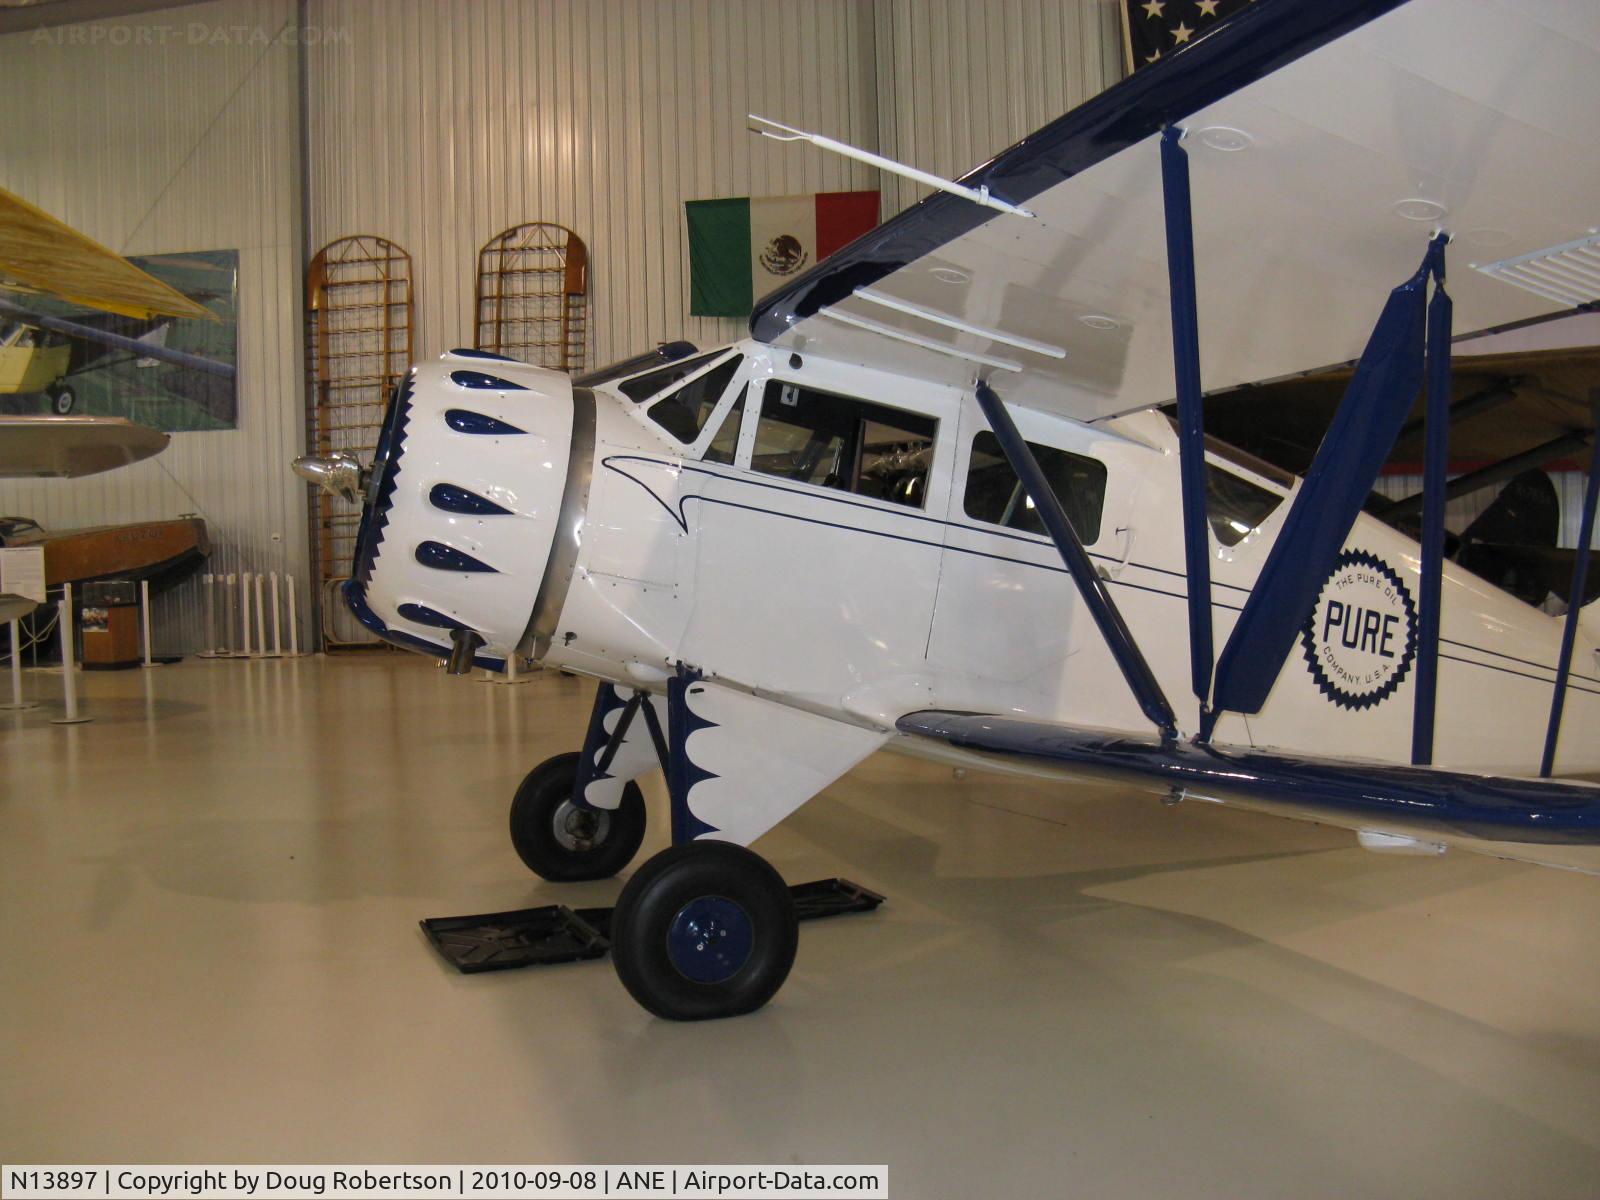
(62, 399)
(563, 843)
(658, 932)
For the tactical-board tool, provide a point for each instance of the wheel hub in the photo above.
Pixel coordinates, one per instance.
(710, 939)
(580, 829)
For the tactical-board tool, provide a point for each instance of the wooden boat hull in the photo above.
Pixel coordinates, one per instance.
(164, 552)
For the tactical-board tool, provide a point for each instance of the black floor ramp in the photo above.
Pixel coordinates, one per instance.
(533, 937)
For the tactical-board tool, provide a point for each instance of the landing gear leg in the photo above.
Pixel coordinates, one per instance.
(704, 929)
(556, 831)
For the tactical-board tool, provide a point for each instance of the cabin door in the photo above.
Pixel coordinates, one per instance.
(1011, 633)
(818, 549)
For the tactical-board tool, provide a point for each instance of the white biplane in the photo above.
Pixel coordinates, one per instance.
(933, 504)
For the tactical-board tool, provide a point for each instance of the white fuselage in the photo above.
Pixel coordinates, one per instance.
(863, 608)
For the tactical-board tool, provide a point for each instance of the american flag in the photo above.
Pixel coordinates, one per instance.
(1158, 29)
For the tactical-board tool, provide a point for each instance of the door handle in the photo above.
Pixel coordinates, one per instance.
(1114, 569)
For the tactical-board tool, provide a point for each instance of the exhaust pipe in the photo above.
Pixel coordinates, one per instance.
(464, 645)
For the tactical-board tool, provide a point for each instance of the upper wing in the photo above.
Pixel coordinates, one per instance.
(1533, 820)
(69, 447)
(1327, 139)
(48, 255)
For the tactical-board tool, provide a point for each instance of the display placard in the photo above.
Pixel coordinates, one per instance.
(22, 572)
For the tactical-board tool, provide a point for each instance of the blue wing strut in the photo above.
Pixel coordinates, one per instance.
(1435, 460)
(1191, 416)
(1375, 404)
(1096, 597)
(1346, 465)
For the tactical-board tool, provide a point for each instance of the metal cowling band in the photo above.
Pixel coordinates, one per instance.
(552, 595)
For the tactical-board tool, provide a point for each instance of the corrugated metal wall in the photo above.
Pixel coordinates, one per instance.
(439, 125)
(178, 131)
(959, 80)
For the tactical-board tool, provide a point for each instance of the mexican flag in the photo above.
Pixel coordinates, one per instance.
(741, 249)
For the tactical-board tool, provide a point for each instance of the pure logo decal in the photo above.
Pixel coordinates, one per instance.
(1362, 635)
(784, 255)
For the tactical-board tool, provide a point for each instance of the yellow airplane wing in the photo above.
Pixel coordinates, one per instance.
(43, 254)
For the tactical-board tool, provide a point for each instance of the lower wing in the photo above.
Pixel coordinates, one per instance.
(70, 447)
(1397, 808)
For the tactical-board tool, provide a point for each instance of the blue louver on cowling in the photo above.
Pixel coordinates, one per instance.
(447, 558)
(450, 497)
(423, 615)
(464, 420)
(483, 382)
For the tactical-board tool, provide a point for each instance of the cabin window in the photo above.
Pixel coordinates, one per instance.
(726, 443)
(684, 413)
(995, 495)
(840, 442)
(1236, 507)
(653, 383)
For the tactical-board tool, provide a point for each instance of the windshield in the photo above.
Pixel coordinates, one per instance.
(684, 413)
(666, 352)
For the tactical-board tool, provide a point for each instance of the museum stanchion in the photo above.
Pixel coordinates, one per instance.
(511, 675)
(17, 703)
(69, 666)
(294, 620)
(144, 619)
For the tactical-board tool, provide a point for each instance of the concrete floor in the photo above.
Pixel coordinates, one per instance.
(209, 953)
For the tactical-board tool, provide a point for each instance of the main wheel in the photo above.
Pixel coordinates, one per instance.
(62, 398)
(703, 930)
(563, 842)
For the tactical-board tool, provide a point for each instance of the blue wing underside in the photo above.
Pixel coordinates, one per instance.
(1413, 801)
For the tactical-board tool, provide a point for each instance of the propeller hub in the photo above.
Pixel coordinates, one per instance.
(339, 474)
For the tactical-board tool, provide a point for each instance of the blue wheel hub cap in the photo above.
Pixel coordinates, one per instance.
(710, 939)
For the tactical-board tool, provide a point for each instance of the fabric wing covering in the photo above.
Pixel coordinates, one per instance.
(45, 255)
(1327, 140)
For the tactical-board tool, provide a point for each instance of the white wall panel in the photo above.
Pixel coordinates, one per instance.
(960, 80)
(177, 130)
(439, 125)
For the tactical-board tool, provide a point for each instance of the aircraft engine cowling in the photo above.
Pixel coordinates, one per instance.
(473, 507)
